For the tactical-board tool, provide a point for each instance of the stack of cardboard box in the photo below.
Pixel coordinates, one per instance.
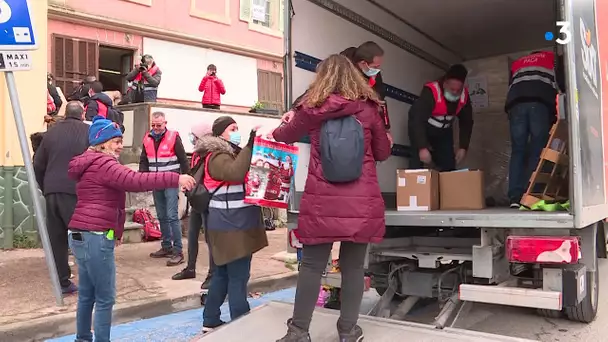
(424, 190)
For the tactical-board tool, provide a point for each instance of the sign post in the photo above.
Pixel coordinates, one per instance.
(17, 39)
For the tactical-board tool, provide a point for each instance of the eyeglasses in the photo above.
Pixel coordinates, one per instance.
(157, 125)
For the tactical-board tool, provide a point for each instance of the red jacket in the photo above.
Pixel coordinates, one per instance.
(360, 215)
(102, 183)
(212, 87)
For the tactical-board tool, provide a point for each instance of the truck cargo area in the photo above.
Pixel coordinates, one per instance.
(421, 39)
(267, 323)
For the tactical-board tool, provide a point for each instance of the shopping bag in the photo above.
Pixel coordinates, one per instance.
(271, 172)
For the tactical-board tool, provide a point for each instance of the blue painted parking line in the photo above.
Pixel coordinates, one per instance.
(180, 326)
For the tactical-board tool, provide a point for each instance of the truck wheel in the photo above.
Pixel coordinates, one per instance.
(550, 313)
(586, 310)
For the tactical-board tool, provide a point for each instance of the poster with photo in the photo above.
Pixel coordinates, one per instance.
(273, 165)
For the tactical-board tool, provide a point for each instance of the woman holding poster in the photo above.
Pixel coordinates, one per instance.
(349, 212)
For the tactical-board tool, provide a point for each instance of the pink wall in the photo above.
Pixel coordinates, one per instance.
(175, 15)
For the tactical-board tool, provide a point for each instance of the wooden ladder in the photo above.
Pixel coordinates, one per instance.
(549, 181)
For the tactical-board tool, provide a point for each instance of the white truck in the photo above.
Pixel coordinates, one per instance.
(494, 255)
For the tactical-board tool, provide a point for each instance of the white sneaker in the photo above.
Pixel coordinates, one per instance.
(515, 206)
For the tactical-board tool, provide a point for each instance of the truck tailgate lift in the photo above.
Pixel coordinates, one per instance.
(267, 324)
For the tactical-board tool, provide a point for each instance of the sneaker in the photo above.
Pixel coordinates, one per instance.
(162, 253)
(295, 334)
(176, 259)
(355, 335)
(207, 282)
(208, 329)
(70, 289)
(515, 205)
(186, 273)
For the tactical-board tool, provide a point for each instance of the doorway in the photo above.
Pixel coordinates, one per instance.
(114, 64)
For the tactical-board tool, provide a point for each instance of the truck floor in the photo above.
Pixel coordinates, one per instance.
(487, 218)
(267, 324)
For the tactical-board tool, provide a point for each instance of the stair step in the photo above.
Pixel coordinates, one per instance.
(132, 233)
(130, 225)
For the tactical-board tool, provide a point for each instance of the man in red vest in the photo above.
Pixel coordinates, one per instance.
(431, 118)
(530, 104)
(145, 80)
(163, 151)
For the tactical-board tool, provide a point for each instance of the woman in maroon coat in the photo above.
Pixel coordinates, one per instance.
(352, 213)
(98, 221)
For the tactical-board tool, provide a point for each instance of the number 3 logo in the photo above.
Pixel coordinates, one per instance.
(564, 32)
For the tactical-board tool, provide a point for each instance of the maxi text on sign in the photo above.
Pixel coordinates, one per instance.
(15, 60)
(16, 26)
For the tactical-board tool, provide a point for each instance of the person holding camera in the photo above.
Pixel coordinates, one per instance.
(145, 80)
(212, 88)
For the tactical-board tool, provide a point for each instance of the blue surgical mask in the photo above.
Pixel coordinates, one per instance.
(372, 72)
(450, 97)
(192, 138)
(235, 137)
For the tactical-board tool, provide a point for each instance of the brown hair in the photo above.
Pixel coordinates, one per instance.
(337, 75)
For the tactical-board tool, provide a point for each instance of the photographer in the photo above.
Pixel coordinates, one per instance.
(212, 88)
(145, 79)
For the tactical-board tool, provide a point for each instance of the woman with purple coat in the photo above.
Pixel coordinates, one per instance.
(98, 221)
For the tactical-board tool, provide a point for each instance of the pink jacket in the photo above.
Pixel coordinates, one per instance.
(102, 183)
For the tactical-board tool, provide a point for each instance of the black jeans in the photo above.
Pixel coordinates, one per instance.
(442, 150)
(314, 262)
(211, 106)
(195, 224)
(59, 210)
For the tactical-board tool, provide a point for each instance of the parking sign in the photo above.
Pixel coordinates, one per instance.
(16, 26)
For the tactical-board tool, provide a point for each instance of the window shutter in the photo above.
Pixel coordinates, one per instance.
(245, 10)
(270, 89)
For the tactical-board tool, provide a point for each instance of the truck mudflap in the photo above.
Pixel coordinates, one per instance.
(267, 324)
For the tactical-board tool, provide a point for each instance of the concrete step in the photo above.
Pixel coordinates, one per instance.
(133, 232)
(129, 211)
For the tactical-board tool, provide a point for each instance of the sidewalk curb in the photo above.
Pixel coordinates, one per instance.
(43, 328)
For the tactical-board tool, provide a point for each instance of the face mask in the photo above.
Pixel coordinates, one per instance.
(235, 138)
(372, 72)
(192, 138)
(450, 97)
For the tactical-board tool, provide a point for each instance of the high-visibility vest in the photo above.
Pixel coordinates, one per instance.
(537, 67)
(163, 158)
(440, 117)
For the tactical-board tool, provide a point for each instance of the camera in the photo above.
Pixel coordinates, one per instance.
(142, 64)
(213, 74)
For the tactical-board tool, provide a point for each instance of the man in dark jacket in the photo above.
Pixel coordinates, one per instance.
(67, 139)
(82, 91)
(99, 103)
(163, 150)
(531, 104)
(430, 122)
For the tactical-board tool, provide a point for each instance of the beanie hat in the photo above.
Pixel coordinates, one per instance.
(201, 129)
(102, 130)
(220, 124)
(457, 72)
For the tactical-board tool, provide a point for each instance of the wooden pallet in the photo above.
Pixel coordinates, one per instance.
(549, 181)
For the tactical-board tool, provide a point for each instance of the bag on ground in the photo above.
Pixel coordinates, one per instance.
(151, 230)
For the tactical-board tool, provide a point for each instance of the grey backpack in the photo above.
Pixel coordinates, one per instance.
(342, 149)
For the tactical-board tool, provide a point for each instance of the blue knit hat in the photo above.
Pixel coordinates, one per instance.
(102, 130)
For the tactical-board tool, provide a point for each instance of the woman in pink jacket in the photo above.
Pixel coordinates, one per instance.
(98, 221)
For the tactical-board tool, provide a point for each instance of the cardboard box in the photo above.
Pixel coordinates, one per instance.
(417, 190)
(462, 190)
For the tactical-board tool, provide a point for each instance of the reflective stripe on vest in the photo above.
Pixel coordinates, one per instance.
(227, 209)
(163, 159)
(439, 117)
(536, 67)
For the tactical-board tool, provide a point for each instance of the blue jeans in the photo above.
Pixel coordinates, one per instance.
(94, 255)
(165, 202)
(528, 121)
(228, 280)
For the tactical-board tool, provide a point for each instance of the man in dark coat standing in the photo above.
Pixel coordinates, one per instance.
(67, 139)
